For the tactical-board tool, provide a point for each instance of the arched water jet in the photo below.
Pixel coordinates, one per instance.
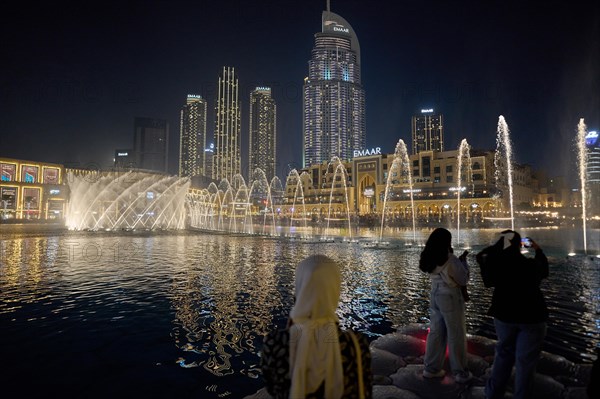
(226, 209)
(400, 162)
(110, 200)
(261, 197)
(275, 198)
(298, 187)
(344, 177)
(241, 205)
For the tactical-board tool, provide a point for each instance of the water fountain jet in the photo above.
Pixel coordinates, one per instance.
(582, 158)
(464, 156)
(400, 163)
(504, 145)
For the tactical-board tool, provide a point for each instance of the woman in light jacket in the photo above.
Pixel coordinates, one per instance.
(447, 307)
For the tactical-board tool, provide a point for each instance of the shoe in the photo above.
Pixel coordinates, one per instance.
(463, 377)
(429, 374)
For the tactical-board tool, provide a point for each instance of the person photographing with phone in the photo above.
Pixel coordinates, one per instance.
(519, 311)
(526, 242)
(446, 307)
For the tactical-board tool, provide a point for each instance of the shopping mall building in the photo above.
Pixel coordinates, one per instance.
(32, 190)
(371, 177)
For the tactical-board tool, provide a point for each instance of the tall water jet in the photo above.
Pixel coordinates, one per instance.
(297, 181)
(503, 145)
(344, 177)
(464, 156)
(400, 163)
(582, 158)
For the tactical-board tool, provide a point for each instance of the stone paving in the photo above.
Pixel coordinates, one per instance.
(397, 366)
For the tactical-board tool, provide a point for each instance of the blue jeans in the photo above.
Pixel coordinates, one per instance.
(520, 344)
(447, 312)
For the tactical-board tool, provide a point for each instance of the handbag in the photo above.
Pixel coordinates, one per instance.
(359, 371)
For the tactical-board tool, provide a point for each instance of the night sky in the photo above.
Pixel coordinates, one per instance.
(74, 75)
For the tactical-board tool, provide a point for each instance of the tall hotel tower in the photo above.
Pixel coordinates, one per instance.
(427, 132)
(227, 159)
(262, 132)
(192, 141)
(334, 99)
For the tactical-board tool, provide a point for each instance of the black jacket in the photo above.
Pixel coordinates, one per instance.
(516, 280)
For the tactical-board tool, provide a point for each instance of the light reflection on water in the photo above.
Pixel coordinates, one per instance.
(185, 313)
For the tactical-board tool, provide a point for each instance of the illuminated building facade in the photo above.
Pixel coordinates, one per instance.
(333, 97)
(208, 159)
(192, 138)
(151, 144)
(227, 159)
(262, 132)
(427, 132)
(592, 142)
(435, 198)
(31, 190)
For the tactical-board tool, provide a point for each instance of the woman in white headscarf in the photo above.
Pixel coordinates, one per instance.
(313, 358)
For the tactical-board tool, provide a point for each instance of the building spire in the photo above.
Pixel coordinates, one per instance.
(328, 6)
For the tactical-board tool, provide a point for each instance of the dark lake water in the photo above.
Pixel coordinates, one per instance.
(182, 314)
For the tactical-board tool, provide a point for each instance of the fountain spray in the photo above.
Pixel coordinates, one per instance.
(402, 162)
(503, 143)
(463, 155)
(582, 156)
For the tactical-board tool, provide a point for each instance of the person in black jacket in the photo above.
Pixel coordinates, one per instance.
(519, 312)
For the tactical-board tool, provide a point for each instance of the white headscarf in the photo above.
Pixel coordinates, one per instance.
(314, 345)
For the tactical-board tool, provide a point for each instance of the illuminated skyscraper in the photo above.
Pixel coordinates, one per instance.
(262, 132)
(208, 158)
(192, 139)
(592, 142)
(427, 132)
(334, 99)
(227, 156)
(151, 144)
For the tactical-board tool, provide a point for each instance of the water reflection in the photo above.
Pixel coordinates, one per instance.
(203, 302)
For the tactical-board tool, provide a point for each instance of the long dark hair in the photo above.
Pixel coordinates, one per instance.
(436, 250)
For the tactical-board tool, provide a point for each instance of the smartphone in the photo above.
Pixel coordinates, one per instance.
(526, 242)
(464, 255)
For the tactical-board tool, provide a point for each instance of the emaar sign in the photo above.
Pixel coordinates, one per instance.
(366, 152)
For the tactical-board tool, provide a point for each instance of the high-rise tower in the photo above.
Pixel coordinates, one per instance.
(192, 139)
(427, 132)
(592, 141)
(227, 155)
(151, 144)
(334, 99)
(262, 132)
